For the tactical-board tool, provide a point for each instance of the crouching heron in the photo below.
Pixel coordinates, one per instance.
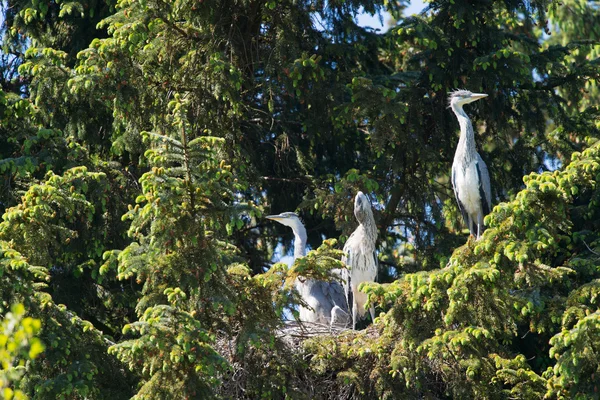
(326, 301)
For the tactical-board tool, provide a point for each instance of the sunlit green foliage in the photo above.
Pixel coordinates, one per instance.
(17, 345)
(186, 207)
(52, 227)
(463, 330)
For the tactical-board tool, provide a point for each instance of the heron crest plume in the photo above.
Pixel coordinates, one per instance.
(460, 93)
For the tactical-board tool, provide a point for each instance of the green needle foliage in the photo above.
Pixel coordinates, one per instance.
(18, 344)
(178, 255)
(58, 231)
(142, 142)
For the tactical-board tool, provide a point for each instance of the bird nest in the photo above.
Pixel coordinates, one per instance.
(290, 355)
(294, 333)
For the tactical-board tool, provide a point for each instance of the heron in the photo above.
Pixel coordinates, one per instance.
(326, 300)
(361, 257)
(470, 176)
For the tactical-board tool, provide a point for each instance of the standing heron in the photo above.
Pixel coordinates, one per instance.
(360, 257)
(326, 301)
(470, 176)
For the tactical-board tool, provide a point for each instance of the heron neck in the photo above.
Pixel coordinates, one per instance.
(466, 143)
(371, 229)
(300, 239)
(369, 226)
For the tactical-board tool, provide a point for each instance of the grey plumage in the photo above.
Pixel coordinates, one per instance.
(360, 256)
(326, 301)
(470, 176)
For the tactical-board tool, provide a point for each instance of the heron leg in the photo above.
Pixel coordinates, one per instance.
(479, 225)
(354, 315)
(471, 226)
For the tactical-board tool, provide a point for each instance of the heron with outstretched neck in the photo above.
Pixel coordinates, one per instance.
(325, 300)
(470, 176)
(360, 256)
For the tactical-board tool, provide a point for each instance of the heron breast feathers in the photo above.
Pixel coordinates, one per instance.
(467, 187)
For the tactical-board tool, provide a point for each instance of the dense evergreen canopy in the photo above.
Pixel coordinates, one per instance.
(142, 143)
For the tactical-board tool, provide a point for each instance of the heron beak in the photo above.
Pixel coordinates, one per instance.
(477, 96)
(273, 217)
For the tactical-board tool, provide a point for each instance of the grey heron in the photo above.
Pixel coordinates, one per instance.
(470, 176)
(326, 300)
(361, 257)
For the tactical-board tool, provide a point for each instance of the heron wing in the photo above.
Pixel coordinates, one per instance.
(335, 292)
(485, 189)
(376, 261)
(461, 206)
(346, 283)
(327, 295)
(345, 273)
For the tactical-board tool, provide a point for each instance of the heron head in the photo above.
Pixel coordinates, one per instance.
(462, 97)
(362, 207)
(286, 218)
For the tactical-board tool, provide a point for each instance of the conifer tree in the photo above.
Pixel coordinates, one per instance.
(51, 239)
(188, 119)
(179, 256)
